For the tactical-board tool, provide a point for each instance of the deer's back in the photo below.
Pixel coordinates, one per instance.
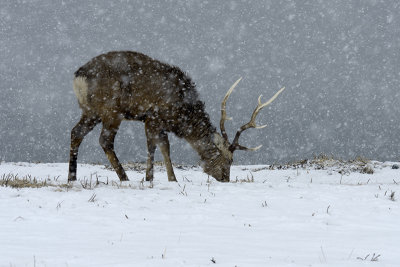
(132, 85)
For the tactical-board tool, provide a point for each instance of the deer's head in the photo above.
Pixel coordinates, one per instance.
(219, 163)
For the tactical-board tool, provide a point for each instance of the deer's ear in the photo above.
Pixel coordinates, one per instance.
(222, 146)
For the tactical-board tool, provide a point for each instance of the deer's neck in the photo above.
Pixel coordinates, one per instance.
(199, 132)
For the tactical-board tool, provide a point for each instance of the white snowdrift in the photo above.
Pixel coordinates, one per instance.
(292, 217)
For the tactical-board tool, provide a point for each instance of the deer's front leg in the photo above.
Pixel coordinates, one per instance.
(151, 148)
(155, 136)
(164, 147)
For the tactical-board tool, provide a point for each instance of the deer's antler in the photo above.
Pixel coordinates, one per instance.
(223, 110)
(252, 123)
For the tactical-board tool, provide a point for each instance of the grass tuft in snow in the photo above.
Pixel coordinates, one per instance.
(27, 181)
(92, 182)
(248, 179)
(366, 258)
(368, 169)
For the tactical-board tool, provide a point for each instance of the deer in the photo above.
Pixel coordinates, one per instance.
(128, 85)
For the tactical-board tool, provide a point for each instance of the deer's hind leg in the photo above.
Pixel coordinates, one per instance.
(106, 140)
(81, 129)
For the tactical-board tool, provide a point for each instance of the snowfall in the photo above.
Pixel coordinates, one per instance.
(320, 213)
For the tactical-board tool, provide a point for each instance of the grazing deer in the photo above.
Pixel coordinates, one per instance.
(131, 86)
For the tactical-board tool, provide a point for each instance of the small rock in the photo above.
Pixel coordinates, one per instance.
(395, 166)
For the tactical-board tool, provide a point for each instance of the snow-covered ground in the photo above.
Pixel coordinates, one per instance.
(290, 216)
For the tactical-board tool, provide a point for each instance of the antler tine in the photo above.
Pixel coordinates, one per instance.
(223, 110)
(240, 147)
(270, 100)
(252, 123)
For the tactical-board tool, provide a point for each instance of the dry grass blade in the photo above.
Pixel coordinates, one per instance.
(92, 198)
(391, 197)
(375, 257)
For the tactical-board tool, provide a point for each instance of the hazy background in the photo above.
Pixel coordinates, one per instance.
(339, 61)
